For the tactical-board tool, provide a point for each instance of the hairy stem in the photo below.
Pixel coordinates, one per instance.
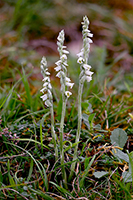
(53, 133)
(80, 90)
(61, 139)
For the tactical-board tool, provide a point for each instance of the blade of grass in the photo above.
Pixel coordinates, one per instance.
(42, 194)
(81, 184)
(41, 173)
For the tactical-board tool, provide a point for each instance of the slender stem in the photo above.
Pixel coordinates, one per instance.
(61, 139)
(80, 90)
(53, 133)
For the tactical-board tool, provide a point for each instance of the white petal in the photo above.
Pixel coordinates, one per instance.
(46, 79)
(80, 60)
(68, 79)
(58, 68)
(88, 72)
(58, 62)
(44, 97)
(47, 103)
(47, 73)
(86, 67)
(63, 57)
(80, 54)
(58, 74)
(67, 93)
(88, 78)
(49, 86)
(69, 84)
(43, 90)
(45, 84)
(65, 51)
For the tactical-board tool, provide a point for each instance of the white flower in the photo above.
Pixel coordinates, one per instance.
(46, 79)
(58, 68)
(88, 78)
(43, 90)
(47, 73)
(44, 97)
(49, 86)
(45, 84)
(68, 79)
(69, 84)
(80, 60)
(88, 40)
(86, 66)
(47, 103)
(58, 62)
(80, 54)
(63, 57)
(61, 36)
(88, 33)
(65, 51)
(88, 72)
(68, 93)
(58, 74)
(43, 61)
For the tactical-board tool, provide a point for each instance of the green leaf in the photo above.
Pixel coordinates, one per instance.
(127, 176)
(131, 164)
(118, 137)
(100, 174)
(121, 155)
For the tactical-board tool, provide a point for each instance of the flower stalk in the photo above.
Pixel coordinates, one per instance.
(48, 99)
(65, 82)
(85, 74)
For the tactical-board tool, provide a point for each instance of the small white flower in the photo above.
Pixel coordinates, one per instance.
(47, 103)
(67, 93)
(43, 90)
(58, 74)
(45, 84)
(88, 33)
(88, 40)
(46, 79)
(65, 52)
(43, 61)
(80, 54)
(68, 79)
(88, 73)
(44, 97)
(58, 62)
(50, 86)
(58, 68)
(47, 73)
(49, 94)
(61, 36)
(80, 60)
(69, 84)
(88, 78)
(63, 57)
(86, 66)
(65, 64)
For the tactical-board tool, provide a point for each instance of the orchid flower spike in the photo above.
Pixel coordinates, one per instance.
(46, 90)
(83, 56)
(61, 65)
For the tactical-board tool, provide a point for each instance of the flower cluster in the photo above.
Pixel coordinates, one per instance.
(85, 74)
(61, 67)
(46, 90)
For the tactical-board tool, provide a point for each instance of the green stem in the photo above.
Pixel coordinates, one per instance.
(61, 139)
(53, 133)
(80, 90)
